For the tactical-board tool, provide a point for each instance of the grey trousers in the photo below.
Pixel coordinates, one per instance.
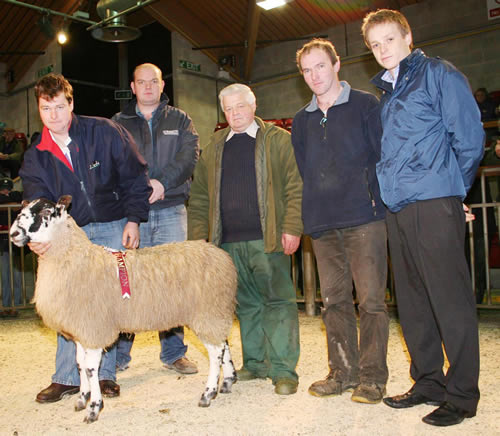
(359, 254)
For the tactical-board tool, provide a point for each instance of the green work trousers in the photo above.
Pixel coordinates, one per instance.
(267, 310)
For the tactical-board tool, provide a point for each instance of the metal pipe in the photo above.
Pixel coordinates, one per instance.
(354, 59)
(49, 11)
(309, 276)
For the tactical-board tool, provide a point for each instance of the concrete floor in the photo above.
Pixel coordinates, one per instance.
(155, 401)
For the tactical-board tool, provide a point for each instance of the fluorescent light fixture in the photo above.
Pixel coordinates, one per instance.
(271, 4)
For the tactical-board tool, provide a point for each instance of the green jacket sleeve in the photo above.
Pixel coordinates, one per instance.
(199, 203)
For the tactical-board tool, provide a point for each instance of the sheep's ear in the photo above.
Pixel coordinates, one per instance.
(25, 203)
(64, 201)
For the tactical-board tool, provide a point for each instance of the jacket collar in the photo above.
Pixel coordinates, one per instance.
(409, 62)
(48, 144)
(341, 99)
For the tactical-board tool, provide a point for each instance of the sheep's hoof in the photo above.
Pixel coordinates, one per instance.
(227, 385)
(207, 398)
(93, 412)
(82, 401)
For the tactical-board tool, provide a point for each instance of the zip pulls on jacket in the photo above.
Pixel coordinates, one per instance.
(322, 123)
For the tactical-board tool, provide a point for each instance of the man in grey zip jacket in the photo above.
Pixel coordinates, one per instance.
(168, 141)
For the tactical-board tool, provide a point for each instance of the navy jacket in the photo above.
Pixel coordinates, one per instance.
(432, 140)
(171, 153)
(337, 162)
(109, 180)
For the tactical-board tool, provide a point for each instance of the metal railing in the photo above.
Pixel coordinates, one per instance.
(21, 277)
(303, 266)
(309, 294)
(484, 239)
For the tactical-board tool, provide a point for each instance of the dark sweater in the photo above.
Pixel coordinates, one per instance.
(238, 193)
(337, 163)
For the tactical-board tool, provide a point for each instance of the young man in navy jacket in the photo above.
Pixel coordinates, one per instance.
(95, 161)
(432, 145)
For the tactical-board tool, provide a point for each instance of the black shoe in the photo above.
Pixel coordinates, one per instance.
(409, 399)
(109, 388)
(447, 414)
(56, 392)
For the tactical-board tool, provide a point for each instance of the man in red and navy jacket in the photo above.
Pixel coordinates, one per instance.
(96, 162)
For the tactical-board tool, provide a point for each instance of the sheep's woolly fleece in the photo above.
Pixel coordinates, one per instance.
(156, 401)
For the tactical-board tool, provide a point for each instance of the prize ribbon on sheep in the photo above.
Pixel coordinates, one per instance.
(122, 272)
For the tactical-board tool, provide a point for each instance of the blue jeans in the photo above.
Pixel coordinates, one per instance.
(110, 235)
(163, 226)
(16, 265)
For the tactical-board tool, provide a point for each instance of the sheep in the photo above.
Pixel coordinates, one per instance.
(78, 294)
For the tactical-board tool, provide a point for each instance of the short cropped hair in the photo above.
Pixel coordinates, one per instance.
(382, 16)
(149, 65)
(319, 43)
(237, 88)
(52, 85)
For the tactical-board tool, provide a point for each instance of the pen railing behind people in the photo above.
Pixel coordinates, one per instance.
(27, 273)
(489, 299)
(304, 271)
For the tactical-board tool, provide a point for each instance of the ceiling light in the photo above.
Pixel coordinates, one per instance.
(271, 4)
(62, 37)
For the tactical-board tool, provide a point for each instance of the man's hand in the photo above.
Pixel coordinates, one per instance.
(131, 235)
(39, 248)
(4, 156)
(468, 216)
(158, 191)
(290, 243)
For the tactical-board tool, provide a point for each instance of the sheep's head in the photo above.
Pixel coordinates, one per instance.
(38, 220)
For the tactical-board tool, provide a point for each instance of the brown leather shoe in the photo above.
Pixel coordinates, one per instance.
(183, 366)
(56, 392)
(109, 388)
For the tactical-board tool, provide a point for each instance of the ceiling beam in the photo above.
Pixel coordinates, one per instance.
(176, 18)
(252, 28)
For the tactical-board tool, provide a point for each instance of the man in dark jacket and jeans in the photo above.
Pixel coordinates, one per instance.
(336, 146)
(432, 145)
(96, 162)
(168, 141)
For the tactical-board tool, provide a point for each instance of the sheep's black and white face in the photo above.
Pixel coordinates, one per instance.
(37, 221)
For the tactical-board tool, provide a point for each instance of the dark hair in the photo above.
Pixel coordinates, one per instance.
(52, 85)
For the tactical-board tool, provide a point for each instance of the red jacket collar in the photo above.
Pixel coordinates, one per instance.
(48, 144)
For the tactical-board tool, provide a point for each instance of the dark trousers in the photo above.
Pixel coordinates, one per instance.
(435, 299)
(360, 254)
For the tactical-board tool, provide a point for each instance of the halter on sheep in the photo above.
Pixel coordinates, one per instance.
(78, 294)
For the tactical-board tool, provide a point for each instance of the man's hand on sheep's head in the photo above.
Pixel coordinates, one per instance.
(130, 238)
(39, 248)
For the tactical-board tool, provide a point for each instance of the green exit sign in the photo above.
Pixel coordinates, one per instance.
(44, 71)
(123, 94)
(189, 66)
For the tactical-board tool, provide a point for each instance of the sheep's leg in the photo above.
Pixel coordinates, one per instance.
(84, 395)
(228, 370)
(95, 405)
(215, 361)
